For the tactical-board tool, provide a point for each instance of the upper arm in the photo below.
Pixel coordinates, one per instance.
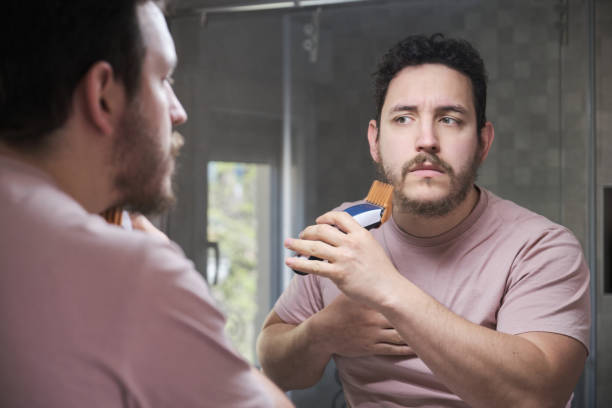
(177, 349)
(272, 319)
(548, 289)
(300, 300)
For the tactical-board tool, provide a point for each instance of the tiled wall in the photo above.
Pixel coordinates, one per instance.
(520, 44)
(230, 76)
(573, 120)
(537, 58)
(228, 79)
(603, 80)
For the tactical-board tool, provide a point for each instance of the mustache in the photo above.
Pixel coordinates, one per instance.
(176, 142)
(426, 157)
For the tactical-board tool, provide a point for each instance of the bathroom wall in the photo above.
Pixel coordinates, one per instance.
(603, 82)
(520, 43)
(536, 52)
(228, 80)
(537, 58)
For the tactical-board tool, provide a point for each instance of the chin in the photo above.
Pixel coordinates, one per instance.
(426, 190)
(428, 199)
(164, 191)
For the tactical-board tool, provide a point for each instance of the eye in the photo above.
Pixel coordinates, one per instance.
(169, 79)
(403, 119)
(447, 120)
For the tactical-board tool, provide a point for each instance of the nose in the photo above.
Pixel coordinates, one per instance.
(177, 112)
(427, 140)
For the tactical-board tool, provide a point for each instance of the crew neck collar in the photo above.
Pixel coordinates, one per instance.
(23, 166)
(449, 235)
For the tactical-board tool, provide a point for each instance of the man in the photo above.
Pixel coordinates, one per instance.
(93, 315)
(461, 298)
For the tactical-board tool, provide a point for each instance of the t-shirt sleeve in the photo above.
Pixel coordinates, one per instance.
(176, 349)
(548, 288)
(300, 300)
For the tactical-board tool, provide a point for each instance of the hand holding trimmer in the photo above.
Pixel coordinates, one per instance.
(374, 212)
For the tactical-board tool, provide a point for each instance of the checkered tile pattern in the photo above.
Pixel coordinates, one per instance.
(528, 68)
(537, 99)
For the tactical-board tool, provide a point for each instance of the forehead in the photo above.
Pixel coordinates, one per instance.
(429, 85)
(158, 42)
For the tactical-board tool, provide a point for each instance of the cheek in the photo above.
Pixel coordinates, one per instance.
(392, 164)
(395, 157)
(157, 100)
(393, 148)
(461, 155)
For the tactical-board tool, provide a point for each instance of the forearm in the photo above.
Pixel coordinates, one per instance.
(484, 367)
(280, 399)
(292, 356)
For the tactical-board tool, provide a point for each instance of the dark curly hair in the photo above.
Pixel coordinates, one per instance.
(436, 49)
(47, 47)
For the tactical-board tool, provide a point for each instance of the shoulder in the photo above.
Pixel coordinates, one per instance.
(543, 252)
(521, 221)
(82, 248)
(157, 268)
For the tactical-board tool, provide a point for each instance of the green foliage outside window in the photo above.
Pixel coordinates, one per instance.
(231, 223)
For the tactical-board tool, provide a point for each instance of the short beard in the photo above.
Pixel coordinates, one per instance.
(141, 165)
(460, 185)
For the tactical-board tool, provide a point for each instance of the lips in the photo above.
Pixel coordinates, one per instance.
(426, 167)
(177, 141)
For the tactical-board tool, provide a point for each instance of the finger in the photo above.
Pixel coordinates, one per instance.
(384, 323)
(309, 266)
(142, 223)
(325, 233)
(342, 220)
(392, 350)
(138, 220)
(308, 248)
(391, 336)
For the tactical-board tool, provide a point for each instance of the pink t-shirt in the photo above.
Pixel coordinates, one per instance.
(503, 267)
(96, 316)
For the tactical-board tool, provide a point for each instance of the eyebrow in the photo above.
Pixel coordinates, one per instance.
(452, 108)
(444, 108)
(403, 108)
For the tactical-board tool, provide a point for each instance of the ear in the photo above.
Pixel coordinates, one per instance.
(105, 97)
(373, 140)
(487, 134)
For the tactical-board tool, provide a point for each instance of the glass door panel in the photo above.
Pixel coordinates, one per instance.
(238, 196)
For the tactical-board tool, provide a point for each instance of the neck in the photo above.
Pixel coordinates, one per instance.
(76, 174)
(422, 226)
